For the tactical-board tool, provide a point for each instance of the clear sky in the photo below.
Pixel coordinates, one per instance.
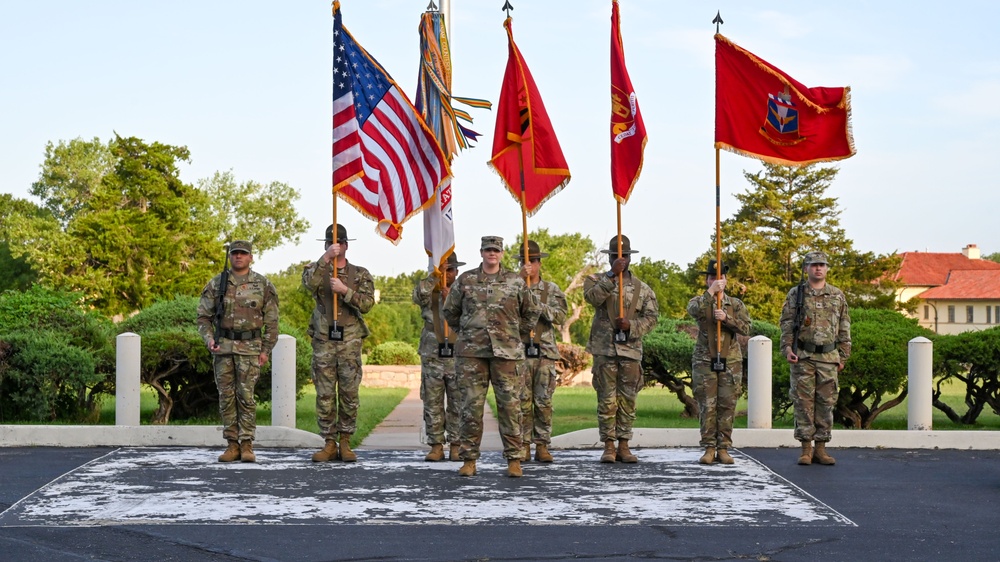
(246, 87)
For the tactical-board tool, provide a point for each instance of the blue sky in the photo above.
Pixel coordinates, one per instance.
(246, 86)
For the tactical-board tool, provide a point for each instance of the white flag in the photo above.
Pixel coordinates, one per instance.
(439, 229)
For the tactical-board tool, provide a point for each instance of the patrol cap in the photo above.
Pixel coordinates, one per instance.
(613, 246)
(452, 261)
(534, 252)
(492, 242)
(240, 246)
(341, 234)
(710, 270)
(815, 257)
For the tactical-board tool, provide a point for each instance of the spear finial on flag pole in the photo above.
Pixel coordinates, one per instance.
(507, 7)
(718, 20)
(431, 7)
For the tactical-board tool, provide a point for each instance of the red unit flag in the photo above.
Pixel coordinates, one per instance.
(628, 133)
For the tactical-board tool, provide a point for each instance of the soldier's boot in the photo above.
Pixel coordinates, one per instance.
(624, 454)
(468, 469)
(436, 454)
(609, 451)
(514, 468)
(232, 452)
(821, 456)
(246, 451)
(346, 454)
(708, 457)
(807, 453)
(542, 453)
(724, 457)
(453, 453)
(327, 453)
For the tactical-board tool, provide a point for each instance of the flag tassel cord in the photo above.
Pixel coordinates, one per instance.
(718, 255)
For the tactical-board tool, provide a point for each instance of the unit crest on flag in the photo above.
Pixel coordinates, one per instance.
(623, 106)
(781, 124)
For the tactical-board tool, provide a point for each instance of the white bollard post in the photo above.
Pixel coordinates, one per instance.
(128, 350)
(920, 366)
(283, 382)
(759, 383)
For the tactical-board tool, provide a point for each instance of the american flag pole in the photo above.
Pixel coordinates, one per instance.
(334, 238)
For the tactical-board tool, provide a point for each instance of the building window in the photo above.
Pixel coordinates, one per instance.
(951, 314)
(969, 316)
(927, 312)
(989, 319)
(996, 315)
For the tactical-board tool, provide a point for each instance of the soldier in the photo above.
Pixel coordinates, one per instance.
(717, 369)
(539, 366)
(490, 307)
(336, 341)
(438, 383)
(616, 344)
(238, 321)
(816, 340)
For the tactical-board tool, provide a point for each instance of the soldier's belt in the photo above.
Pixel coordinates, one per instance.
(813, 348)
(233, 335)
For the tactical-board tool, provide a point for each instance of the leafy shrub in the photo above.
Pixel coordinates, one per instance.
(974, 359)
(394, 353)
(666, 358)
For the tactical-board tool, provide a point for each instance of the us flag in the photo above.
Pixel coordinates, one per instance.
(386, 162)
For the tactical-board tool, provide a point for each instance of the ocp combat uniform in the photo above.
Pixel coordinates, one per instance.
(336, 365)
(824, 342)
(249, 327)
(490, 312)
(617, 370)
(717, 391)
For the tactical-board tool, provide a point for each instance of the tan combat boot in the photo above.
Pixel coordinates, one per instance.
(821, 456)
(806, 457)
(624, 454)
(542, 453)
(514, 468)
(327, 453)
(346, 454)
(232, 452)
(609, 451)
(246, 451)
(436, 454)
(708, 457)
(724, 457)
(453, 453)
(468, 469)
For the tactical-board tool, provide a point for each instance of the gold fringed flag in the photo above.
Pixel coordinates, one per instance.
(523, 124)
(763, 113)
(628, 133)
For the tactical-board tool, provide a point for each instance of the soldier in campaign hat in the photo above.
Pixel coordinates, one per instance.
(539, 366)
(616, 344)
(717, 364)
(816, 341)
(337, 329)
(438, 383)
(490, 307)
(238, 321)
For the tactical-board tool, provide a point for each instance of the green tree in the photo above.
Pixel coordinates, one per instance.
(15, 272)
(995, 256)
(783, 215)
(974, 359)
(295, 304)
(669, 283)
(71, 174)
(261, 213)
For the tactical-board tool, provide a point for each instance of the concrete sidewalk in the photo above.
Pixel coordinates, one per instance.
(403, 428)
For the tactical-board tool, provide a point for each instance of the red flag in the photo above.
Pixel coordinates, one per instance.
(522, 122)
(628, 133)
(386, 162)
(763, 113)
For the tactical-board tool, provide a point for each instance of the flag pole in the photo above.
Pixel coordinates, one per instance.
(718, 257)
(524, 229)
(621, 274)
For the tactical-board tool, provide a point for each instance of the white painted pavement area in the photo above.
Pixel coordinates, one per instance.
(187, 486)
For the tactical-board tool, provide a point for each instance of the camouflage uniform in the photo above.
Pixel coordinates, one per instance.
(814, 379)
(438, 383)
(617, 371)
(251, 312)
(717, 392)
(539, 373)
(336, 365)
(490, 312)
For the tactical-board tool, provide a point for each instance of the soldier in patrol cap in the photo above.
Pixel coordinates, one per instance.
(717, 367)
(240, 332)
(616, 344)
(337, 329)
(438, 384)
(816, 340)
(490, 307)
(539, 367)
